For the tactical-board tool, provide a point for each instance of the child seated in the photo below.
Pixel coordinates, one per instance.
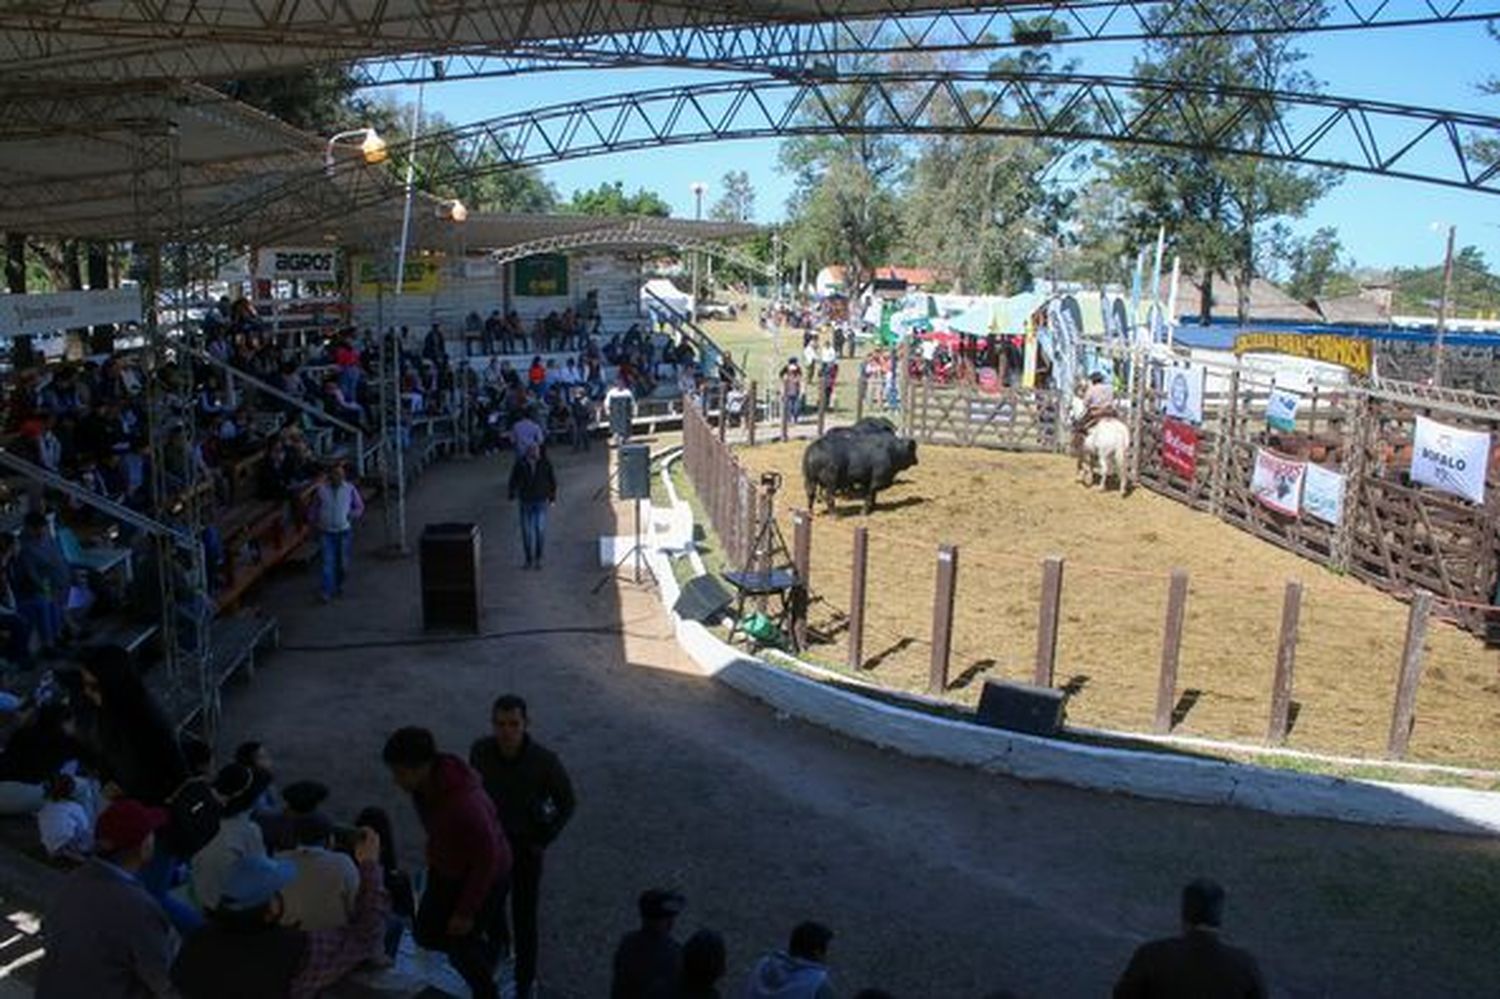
(66, 819)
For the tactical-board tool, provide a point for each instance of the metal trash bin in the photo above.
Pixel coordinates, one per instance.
(452, 598)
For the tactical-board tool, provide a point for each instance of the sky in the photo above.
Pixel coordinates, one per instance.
(1382, 222)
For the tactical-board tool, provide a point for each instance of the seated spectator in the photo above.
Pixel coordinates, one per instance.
(703, 965)
(239, 787)
(1197, 964)
(44, 744)
(299, 798)
(106, 936)
(397, 883)
(536, 375)
(245, 952)
(256, 756)
(14, 625)
(494, 333)
(341, 405)
(799, 972)
(65, 822)
(322, 895)
(650, 955)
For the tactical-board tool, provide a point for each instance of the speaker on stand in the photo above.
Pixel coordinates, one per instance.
(632, 482)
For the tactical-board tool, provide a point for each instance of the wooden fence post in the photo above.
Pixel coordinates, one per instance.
(1047, 622)
(942, 618)
(785, 414)
(859, 396)
(723, 411)
(751, 404)
(1171, 646)
(1224, 444)
(802, 563)
(1286, 661)
(1404, 716)
(857, 599)
(822, 404)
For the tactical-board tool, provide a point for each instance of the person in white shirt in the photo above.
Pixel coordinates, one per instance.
(65, 821)
(322, 895)
(240, 787)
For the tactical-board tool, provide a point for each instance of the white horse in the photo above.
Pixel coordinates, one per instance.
(1107, 441)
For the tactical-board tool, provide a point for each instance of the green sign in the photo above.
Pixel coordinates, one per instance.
(542, 276)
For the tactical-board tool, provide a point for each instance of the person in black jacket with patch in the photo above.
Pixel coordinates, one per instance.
(534, 799)
(534, 485)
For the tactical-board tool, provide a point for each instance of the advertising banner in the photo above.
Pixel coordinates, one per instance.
(1281, 410)
(544, 275)
(1346, 351)
(1277, 482)
(38, 315)
(371, 279)
(1323, 494)
(1179, 448)
(1450, 459)
(1184, 388)
(297, 263)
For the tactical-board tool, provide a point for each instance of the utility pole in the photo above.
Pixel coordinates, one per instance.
(1443, 305)
(698, 188)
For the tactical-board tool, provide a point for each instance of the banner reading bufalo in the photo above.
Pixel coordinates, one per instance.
(297, 263)
(1179, 448)
(1450, 459)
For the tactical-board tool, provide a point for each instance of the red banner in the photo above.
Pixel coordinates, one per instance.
(1179, 447)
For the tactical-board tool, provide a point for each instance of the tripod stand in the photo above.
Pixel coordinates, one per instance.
(634, 483)
(769, 572)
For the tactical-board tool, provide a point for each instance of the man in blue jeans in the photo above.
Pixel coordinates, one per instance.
(336, 505)
(534, 485)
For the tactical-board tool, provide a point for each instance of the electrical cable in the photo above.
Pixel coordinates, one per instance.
(615, 630)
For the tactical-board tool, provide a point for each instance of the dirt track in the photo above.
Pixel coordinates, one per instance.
(1008, 511)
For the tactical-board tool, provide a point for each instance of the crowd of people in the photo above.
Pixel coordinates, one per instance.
(220, 882)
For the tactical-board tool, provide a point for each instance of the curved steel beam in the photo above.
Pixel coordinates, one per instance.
(1373, 137)
(795, 49)
(635, 233)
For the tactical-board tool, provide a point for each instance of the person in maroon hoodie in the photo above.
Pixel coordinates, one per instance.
(468, 859)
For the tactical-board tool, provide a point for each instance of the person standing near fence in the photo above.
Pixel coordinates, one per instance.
(534, 486)
(791, 389)
(336, 505)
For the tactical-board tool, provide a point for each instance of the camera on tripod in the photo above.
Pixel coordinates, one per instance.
(770, 481)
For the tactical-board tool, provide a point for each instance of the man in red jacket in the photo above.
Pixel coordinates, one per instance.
(468, 859)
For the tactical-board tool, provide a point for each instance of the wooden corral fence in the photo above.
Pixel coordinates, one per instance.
(1394, 535)
(723, 486)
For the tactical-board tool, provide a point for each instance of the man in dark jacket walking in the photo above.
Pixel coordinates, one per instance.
(534, 485)
(534, 798)
(1197, 964)
(468, 860)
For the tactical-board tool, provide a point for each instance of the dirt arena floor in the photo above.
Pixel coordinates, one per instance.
(1006, 512)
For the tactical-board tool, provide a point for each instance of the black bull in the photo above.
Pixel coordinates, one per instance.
(860, 460)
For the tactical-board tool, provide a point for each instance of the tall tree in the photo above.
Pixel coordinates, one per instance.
(1214, 205)
(1318, 268)
(737, 203)
(611, 199)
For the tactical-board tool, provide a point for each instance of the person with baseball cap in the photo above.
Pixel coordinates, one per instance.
(246, 953)
(649, 956)
(106, 936)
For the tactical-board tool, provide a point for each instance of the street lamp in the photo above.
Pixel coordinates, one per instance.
(370, 145)
(453, 211)
(698, 188)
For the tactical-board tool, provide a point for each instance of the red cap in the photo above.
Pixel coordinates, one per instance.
(125, 824)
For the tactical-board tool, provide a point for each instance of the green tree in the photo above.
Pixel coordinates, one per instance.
(611, 199)
(1215, 206)
(737, 203)
(319, 100)
(1476, 290)
(1318, 268)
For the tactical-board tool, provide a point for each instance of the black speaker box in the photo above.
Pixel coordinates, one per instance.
(452, 596)
(635, 471)
(1020, 707)
(703, 597)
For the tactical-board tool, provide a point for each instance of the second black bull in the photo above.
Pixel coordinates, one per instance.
(856, 461)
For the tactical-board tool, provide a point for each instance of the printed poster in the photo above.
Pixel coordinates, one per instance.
(1323, 494)
(1179, 448)
(1281, 410)
(1184, 388)
(1450, 459)
(1277, 482)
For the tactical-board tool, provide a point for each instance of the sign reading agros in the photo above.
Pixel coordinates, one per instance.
(292, 263)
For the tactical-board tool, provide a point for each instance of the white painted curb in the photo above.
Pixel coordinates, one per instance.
(1144, 774)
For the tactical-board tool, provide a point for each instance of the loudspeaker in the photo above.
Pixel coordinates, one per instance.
(703, 598)
(621, 415)
(635, 471)
(1020, 707)
(451, 595)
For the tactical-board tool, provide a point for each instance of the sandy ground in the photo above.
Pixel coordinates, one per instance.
(939, 882)
(1005, 512)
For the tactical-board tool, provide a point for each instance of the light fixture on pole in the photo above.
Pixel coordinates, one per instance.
(370, 145)
(698, 188)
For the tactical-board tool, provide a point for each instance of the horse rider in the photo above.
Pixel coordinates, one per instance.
(1098, 404)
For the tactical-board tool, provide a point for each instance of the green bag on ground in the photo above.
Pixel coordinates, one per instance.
(761, 628)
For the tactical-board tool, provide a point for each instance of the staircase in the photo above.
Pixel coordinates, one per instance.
(704, 344)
